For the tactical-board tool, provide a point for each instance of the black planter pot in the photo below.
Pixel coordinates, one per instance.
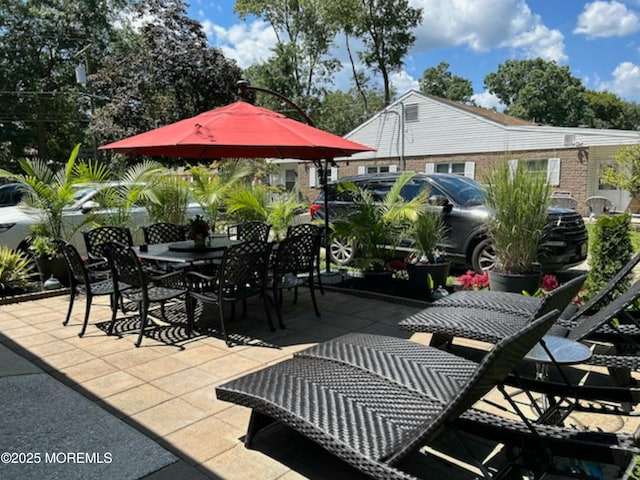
(56, 267)
(506, 282)
(377, 279)
(419, 274)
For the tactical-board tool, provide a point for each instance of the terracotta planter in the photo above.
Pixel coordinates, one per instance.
(505, 282)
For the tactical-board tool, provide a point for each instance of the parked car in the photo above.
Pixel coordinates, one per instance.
(461, 200)
(11, 194)
(16, 221)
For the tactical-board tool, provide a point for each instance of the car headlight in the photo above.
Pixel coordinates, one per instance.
(5, 226)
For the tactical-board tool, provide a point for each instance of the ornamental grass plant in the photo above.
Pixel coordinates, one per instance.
(518, 200)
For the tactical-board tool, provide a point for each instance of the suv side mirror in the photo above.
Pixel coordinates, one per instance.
(440, 201)
(88, 206)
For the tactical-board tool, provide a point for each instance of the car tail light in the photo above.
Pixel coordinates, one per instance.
(314, 208)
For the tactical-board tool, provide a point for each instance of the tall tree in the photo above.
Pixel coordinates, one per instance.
(340, 112)
(439, 81)
(607, 110)
(160, 70)
(304, 37)
(43, 110)
(540, 91)
(386, 29)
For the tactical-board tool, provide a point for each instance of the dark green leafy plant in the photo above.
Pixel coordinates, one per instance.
(15, 270)
(610, 250)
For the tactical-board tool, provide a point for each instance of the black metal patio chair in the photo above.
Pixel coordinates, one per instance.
(241, 275)
(249, 231)
(292, 266)
(96, 238)
(142, 289)
(316, 231)
(164, 232)
(84, 281)
(376, 403)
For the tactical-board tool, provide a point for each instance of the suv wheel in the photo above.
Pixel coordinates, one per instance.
(483, 257)
(342, 251)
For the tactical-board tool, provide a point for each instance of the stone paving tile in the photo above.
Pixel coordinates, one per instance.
(37, 339)
(205, 399)
(229, 366)
(132, 356)
(111, 384)
(185, 381)
(169, 416)
(240, 463)
(205, 439)
(156, 368)
(138, 399)
(86, 371)
(52, 347)
(199, 354)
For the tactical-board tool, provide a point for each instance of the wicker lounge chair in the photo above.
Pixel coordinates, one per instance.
(485, 324)
(376, 417)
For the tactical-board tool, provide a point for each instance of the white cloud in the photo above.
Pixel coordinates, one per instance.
(487, 100)
(607, 19)
(247, 42)
(626, 81)
(486, 24)
(403, 82)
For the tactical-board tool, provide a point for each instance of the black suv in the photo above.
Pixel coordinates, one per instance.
(462, 200)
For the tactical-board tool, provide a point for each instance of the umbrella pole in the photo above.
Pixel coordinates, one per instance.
(328, 276)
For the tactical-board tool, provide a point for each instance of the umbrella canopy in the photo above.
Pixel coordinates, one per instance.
(238, 130)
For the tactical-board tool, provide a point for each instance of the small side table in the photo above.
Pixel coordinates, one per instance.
(557, 351)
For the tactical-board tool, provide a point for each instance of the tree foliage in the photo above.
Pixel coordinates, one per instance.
(625, 174)
(439, 81)
(43, 110)
(540, 91)
(159, 72)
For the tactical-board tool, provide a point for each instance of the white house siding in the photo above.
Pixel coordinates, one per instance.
(446, 132)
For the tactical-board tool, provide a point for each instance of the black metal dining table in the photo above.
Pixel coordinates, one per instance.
(186, 252)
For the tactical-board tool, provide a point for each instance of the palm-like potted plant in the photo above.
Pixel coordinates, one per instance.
(426, 265)
(518, 200)
(376, 226)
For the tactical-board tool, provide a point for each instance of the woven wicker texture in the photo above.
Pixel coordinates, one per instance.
(362, 417)
(505, 301)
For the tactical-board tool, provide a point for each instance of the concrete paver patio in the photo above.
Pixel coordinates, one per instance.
(167, 391)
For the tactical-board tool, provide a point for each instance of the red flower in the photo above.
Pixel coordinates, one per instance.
(549, 282)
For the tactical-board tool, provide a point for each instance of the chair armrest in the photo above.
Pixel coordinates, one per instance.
(197, 281)
(172, 279)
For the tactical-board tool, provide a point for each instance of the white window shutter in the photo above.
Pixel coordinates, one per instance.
(313, 177)
(553, 171)
(334, 174)
(362, 170)
(393, 168)
(470, 170)
(430, 168)
(513, 165)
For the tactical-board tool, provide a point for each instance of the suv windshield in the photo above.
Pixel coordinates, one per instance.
(463, 191)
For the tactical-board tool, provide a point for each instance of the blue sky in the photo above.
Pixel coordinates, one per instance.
(598, 40)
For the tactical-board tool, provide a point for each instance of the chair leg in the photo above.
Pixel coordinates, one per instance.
(143, 308)
(87, 311)
(277, 295)
(267, 310)
(189, 305)
(113, 300)
(222, 327)
(319, 276)
(312, 290)
(71, 300)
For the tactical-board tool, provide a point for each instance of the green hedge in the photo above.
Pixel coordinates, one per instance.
(611, 249)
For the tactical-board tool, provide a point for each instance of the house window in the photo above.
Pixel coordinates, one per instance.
(455, 168)
(549, 167)
(411, 113)
(601, 184)
(380, 169)
(369, 169)
(290, 179)
(536, 166)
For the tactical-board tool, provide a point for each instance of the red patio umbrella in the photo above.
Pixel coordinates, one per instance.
(241, 130)
(238, 130)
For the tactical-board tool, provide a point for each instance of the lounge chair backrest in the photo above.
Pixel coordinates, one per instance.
(587, 325)
(608, 289)
(559, 298)
(491, 371)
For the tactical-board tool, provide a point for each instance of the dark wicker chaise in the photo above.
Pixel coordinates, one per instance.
(374, 417)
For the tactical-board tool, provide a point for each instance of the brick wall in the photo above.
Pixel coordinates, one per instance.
(573, 168)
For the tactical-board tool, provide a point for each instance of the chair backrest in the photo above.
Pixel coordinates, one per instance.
(305, 229)
(163, 232)
(77, 271)
(559, 298)
(125, 265)
(250, 231)
(598, 205)
(244, 265)
(96, 238)
(607, 291)
(296, 254)
(586, 325)
(491, 371)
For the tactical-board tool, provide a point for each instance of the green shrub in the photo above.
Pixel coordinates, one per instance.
(15, 270)
(610, 250)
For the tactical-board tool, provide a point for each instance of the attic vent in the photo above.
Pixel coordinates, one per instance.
(569, 140)
(411, 113)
